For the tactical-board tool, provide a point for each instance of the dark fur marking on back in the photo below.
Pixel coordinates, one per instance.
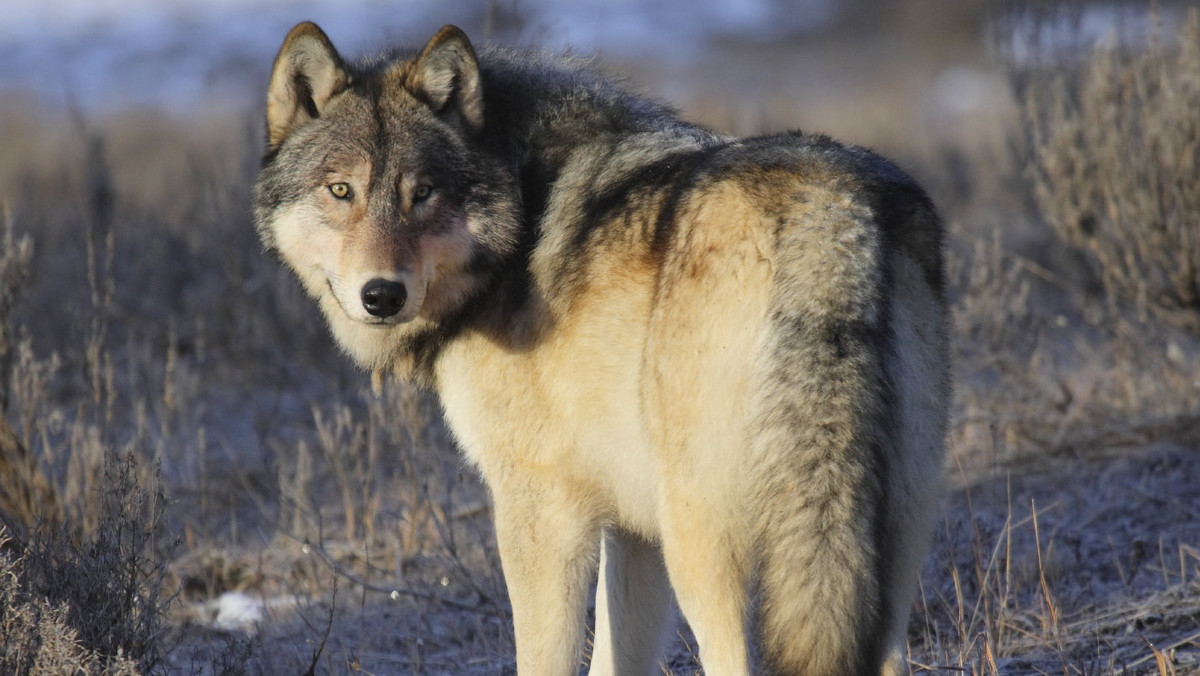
(669, 177)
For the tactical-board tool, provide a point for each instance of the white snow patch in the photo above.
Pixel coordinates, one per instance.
(237, 611)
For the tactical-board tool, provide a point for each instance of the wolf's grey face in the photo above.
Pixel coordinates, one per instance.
(375, 191)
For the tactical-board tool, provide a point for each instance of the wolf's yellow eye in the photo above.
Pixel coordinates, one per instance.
(340, 190)
(422, 192)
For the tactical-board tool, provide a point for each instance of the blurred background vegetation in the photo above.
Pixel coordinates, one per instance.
(193, 480)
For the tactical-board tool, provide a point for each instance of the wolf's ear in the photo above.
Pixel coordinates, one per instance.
(446, 76)
(307, 73)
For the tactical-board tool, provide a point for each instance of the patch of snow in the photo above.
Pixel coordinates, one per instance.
(237, 611)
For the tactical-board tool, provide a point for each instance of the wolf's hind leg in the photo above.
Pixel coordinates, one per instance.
(705, 554)
(548, 540)
(908, 521)
(919, 373)
(633, 607)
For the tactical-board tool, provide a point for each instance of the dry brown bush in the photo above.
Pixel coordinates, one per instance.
(36, 636)
(91, 603)
(1116, 166)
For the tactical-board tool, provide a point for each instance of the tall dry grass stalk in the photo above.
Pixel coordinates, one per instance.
(25, 491)
(1116, 166)
(15, 254)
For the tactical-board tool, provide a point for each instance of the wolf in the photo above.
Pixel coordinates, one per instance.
(713, 368)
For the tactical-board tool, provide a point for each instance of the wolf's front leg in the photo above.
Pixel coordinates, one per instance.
(633, 607)
(548, 538)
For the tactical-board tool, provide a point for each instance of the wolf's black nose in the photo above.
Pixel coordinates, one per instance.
(383, 298)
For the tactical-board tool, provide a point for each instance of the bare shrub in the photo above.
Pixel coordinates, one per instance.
(36, 636)
(91, 603)
(1116, 165)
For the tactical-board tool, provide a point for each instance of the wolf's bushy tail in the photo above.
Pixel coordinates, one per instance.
(820, 404)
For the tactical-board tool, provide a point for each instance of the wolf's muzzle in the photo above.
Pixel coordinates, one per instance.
(383, 298)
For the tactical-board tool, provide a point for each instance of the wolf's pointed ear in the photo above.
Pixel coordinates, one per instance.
(307, 73)
(446, 76)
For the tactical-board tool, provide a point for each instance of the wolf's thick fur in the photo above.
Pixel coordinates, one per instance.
(724, 359)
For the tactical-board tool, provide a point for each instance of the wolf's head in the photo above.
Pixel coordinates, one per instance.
(376, 189)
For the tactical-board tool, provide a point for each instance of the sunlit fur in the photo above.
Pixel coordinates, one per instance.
(716, 368)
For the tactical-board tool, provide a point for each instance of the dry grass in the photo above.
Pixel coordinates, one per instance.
(1115, 169)
(1069, 545)
(163, 382)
